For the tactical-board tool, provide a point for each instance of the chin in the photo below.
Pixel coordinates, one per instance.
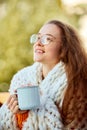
(37, 60)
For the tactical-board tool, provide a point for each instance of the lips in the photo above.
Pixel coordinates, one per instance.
(39, 50)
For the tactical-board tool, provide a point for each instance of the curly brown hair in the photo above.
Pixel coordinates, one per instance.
(75, 58)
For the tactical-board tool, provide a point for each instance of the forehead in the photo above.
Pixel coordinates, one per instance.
(50, 29)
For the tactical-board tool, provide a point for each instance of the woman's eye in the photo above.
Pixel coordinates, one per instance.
(49, 39)
(38, 38)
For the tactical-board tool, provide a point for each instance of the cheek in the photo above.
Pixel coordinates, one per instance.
(55, 52)
(52, 53)
(55, 49)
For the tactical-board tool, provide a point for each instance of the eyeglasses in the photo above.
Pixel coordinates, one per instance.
(45, 39)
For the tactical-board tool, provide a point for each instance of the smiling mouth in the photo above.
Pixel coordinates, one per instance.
(39, 51)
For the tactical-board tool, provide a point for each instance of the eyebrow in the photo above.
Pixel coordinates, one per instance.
(48, 35)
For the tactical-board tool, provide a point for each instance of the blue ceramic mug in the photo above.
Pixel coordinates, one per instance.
(28, 97)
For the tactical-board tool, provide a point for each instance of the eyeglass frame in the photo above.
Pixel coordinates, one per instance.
(40, 38)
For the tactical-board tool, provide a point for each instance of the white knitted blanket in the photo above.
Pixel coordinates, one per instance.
(52, 88)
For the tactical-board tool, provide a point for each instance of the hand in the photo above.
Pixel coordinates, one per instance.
(12, 104)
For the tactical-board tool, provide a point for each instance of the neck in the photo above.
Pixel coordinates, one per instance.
(46, 69)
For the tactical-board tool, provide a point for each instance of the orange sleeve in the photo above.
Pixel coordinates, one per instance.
(21, 117)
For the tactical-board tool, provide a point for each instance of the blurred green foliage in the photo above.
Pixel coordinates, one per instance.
(18, 20)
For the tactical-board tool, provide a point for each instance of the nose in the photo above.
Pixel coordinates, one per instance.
(38, 42)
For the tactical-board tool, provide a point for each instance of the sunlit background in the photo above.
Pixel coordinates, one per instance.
(20, 18)
(81, 9)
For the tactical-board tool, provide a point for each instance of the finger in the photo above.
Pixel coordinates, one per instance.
(11, 101)
(13, 106)
(15, 110)
(8, 100)
(10, 97)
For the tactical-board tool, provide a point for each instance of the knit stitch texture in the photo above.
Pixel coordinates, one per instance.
(52, 90)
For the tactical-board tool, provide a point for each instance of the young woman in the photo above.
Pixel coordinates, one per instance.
(60, 70)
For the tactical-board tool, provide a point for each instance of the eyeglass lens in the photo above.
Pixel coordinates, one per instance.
(44, 39)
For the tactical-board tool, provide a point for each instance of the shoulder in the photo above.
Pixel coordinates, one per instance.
(23, 77)
(23, 72)
(26, 69)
